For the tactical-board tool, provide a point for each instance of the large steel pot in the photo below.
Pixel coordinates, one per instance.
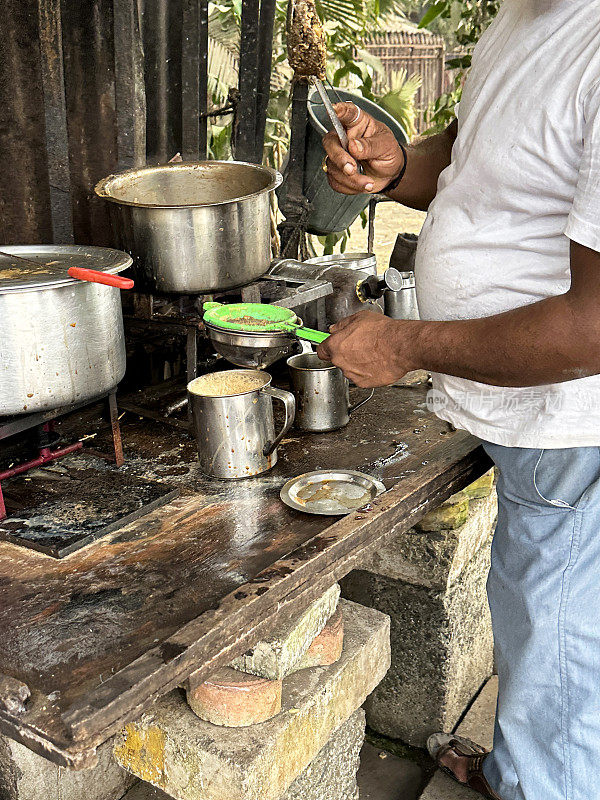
(194, 227)
(62, 339)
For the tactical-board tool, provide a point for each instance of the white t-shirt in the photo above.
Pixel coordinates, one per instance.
(524, 180)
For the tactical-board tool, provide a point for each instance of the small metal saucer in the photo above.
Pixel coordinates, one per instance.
(334, 492)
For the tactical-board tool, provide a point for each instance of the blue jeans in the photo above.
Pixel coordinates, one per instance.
(544, 594)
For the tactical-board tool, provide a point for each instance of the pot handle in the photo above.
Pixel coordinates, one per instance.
(95, 276)
(288, 400)
(361, 402)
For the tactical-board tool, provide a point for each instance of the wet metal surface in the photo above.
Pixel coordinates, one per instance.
(60, 510)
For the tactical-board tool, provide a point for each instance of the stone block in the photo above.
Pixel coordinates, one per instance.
(433, 588)
(477, 490)
(26, 776)
(234, 698)
(191, 759)
(331, 775)
(448, 516)
(276, 657)
(478, 725)
(327, 647)
(435, 560)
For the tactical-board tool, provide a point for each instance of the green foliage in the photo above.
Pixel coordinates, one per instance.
(469, 18)
(399, 100)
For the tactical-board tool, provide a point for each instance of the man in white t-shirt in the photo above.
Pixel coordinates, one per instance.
(508, 285)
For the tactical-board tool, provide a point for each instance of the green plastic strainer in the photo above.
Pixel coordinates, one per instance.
(259, 318)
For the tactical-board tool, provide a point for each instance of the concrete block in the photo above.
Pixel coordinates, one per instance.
(442, 646)
(327, 647)
(477, 490)
(276, 657)
(478, 725)
(436, 560)
(193, 760)
(26, 776)
(234, 698)
(448, 516)
(331, 775)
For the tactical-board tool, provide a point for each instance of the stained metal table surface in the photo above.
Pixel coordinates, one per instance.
(99, 635)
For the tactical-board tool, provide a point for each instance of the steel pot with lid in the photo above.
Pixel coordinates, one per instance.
(194, 227)
(62, 338)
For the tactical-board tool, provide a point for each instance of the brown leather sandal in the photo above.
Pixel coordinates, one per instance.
(440, 744)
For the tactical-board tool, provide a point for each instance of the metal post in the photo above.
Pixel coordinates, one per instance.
(295, 207)
(265, 60)
(244, 139)
(371, 234)
(116, 429)
(203, 79)
(191, 351)
(55, 113)
(130, 95)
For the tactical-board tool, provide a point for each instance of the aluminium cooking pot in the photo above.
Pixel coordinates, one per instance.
(62, 339)
(194, 227)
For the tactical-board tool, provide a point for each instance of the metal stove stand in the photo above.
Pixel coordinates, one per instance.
(43, 421)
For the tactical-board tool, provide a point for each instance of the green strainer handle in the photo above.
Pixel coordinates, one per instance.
(316, 337)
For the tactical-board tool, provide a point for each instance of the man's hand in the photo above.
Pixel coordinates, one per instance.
(556, 339)
(370, 142)
(369, 349)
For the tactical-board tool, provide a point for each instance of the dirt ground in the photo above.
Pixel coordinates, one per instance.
(390, 220)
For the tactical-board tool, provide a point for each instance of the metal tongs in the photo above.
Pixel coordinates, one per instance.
(333, 117)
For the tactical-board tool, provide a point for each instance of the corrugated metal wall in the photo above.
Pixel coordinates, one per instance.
(75, 78)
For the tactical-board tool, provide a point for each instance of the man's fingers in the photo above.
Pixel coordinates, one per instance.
(349, 114)
(348, 184)
(368, 148)
(347, 321)
(338, 327)
(323, 351)
(337, 155)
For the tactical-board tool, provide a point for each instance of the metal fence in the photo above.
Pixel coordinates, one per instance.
(416, 52)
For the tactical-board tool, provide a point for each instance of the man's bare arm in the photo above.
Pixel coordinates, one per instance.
(554, 340)
(427, 159)
(375, 146)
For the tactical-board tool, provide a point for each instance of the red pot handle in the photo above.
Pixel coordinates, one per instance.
(95, 276)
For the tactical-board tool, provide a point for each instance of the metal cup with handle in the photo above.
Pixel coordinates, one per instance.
(233, 422)
(322, 394)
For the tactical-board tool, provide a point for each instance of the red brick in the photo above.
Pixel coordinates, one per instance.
(234, 699)
(326, 648)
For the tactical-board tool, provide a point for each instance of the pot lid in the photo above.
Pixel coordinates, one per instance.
(46, 265)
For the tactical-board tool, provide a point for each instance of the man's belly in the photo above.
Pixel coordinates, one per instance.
(467, 269)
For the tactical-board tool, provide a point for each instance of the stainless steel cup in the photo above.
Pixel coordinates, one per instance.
(235, 432)
(322, 394)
